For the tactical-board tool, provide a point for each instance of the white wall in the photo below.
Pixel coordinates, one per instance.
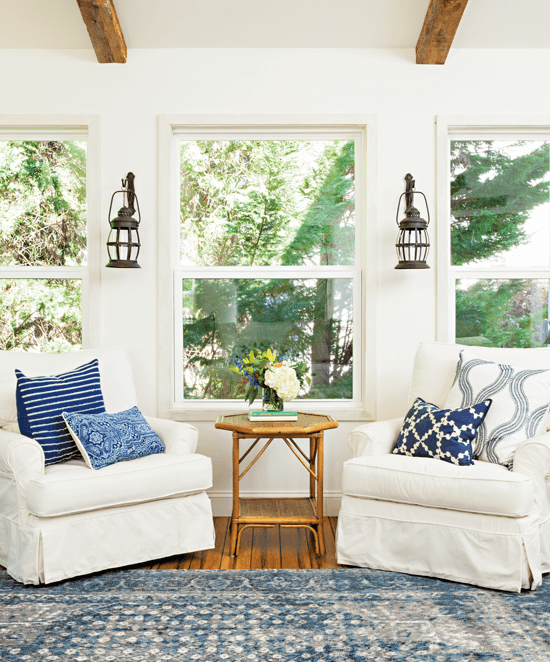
(405, 97)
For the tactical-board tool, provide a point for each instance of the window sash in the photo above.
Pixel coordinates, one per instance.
(197, 126)
(68, 128)
(321, 271)
(472, 128)
(280, 273)
(278, 133)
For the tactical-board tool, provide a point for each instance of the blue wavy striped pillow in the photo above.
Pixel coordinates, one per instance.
(40, 401)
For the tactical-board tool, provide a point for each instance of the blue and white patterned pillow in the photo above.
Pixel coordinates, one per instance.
(520, 403)
(40, 401)
(444, 434)
(104, 439)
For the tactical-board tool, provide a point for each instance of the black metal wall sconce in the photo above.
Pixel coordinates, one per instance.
(123, 243)
(413, 243)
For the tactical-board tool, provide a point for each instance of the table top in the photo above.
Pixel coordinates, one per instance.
(306, 424)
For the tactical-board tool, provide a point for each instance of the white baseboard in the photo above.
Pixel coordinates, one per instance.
(222, 501)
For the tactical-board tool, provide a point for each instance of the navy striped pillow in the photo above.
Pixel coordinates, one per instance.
(40, 401)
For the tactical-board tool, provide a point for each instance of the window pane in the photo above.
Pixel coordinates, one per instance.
(267, 202)
(42, 203)
(500, 211)
(502, 312)
(303, 319)
(40, 315)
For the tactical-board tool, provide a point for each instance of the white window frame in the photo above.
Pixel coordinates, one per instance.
(172, 129)
(83, 128)
(459, 127)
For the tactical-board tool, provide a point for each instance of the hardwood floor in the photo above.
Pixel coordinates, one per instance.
(261, 548)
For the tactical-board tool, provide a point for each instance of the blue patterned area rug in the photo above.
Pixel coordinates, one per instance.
(270, 616)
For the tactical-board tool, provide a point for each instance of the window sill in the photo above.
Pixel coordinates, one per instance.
(211, 411)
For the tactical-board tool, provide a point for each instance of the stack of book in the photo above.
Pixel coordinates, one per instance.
(261, 415)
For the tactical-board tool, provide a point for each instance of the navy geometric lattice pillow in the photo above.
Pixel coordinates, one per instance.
(40, 401)
(444, 434)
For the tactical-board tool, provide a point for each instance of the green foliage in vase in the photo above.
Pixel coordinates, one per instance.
(253, 368)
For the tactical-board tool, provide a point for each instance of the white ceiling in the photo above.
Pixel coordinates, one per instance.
(274, 24)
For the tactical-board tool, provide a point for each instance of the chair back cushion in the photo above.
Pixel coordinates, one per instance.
(435, 366)
(117, 382)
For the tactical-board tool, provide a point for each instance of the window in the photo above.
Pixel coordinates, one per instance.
(267, 251)
(44, 275)
(496, 269)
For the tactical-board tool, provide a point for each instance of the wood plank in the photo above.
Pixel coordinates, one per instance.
(439, 29)
(242, 560)
(303, 551)
(288, 542)
(184, 561)
(104, 29)
(295, 554)
(329, 558)
(266, 549)
(333, 525)
(211, 559)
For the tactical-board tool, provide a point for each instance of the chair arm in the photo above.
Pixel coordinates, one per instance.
(21, 460)
(19, 454)
(532, 459)
(375, 438)
(180, 438)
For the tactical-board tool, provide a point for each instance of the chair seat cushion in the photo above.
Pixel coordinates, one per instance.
(71, 487)
(481, 487)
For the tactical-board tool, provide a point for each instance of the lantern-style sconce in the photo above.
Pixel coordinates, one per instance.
(413, 242)
(123, 243)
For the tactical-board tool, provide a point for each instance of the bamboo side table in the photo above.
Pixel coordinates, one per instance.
(296, 513)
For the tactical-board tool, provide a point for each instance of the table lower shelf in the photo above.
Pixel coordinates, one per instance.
(289, 512)
(278, 511)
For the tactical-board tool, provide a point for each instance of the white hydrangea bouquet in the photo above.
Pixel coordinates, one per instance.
(281, 381)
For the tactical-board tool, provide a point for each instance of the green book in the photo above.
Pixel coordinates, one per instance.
(260, 413)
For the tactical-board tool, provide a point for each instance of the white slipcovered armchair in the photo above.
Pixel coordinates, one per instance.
(65, 519)
(479, 524)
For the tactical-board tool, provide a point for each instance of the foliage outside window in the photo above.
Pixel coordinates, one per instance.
(43, 245)
(500, 240)
(267, 261)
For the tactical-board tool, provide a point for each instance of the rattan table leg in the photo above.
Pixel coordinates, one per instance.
(235, 513)
(320, 469)
(312, 467)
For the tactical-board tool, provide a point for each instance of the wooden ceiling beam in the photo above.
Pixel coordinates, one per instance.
(104, 30)
(439, 29)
